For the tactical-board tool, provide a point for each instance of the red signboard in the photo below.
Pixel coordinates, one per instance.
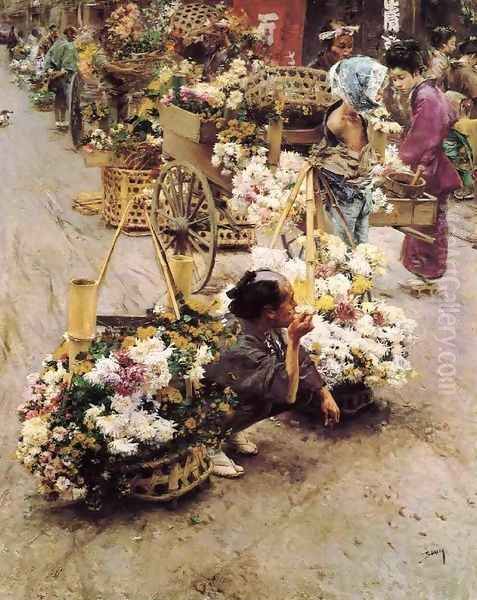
(283, 23)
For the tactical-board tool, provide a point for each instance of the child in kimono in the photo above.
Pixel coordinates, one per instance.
(270, 375)
(457, 146)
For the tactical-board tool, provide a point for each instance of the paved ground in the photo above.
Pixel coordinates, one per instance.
(343, 515)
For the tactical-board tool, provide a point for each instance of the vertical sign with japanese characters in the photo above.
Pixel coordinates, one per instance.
(392, 25)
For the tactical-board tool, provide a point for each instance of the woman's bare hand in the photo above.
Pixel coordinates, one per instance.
(299, 327)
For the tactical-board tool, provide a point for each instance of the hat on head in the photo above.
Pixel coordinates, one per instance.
(469, 46)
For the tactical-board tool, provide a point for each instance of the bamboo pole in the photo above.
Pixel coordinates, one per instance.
(82, 303)
(161, 256)
(274, 141)
(310, 250)
(289, 205)
(113, 244)
(181, 267)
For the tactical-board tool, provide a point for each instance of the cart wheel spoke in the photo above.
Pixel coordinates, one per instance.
(190, 193)
(201, 201)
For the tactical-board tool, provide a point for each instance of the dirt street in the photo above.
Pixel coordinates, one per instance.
(364, 512)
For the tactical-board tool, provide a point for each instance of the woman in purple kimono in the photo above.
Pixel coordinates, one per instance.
(431, 119)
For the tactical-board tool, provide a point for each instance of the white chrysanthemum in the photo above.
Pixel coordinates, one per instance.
(126, 404)
(335, 248)
(234, 100)
(338, 284)
(164, 429)
(91, 415)
(365, 326)
(35, 432)
(360, 266)
(294, 270)
(114, 425)
(123, 447)
(105, 372)
(268, 258)
(62, 484)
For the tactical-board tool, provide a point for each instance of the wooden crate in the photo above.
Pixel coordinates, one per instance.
(407, 212)
(187, 125)
(97, 158)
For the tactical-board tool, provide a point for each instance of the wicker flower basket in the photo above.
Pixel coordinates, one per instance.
(167, 478)
(351, 398)
(119, 186)
(192, 19)
(297, 88)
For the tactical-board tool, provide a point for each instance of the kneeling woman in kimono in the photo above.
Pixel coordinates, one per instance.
(269, 374)
(431, 120)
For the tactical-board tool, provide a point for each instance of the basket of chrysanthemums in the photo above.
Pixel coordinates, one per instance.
(136, 417)
(358, 343)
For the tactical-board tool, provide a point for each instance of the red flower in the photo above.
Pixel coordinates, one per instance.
(345, 312)
(378, 319)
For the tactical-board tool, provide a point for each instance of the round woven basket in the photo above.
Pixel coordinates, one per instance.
(192, 19)
(167, 478)
(119, 186)
(294, 86)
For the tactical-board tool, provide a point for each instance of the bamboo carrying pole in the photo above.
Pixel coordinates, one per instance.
(162, 258)
(289, 205)
(310, 251)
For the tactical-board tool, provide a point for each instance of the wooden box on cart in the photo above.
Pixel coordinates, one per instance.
(407, 212)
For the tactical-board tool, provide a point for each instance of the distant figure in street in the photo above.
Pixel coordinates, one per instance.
(462, 75)
(12, 41)
(432, 118)
(61, 63)
(338, 44)
(48, 40)
(444, 43)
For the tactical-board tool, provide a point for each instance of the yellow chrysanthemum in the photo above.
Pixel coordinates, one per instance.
(361, 285)
(146, 332)
(325, 303)
(128, 342)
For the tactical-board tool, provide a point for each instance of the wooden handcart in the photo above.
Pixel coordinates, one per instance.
(190, 197)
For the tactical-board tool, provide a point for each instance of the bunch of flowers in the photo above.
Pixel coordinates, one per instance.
(381, 120)
(262, 193)
(137, 393)
(43, 99)
(124, 25)
(355, 340)
(210, 99)
(98, 140)
(94, 111)
(237, 142)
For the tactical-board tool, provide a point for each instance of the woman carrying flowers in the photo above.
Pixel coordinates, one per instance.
(269, 374)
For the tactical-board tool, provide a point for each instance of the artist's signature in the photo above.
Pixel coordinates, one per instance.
(434, 552)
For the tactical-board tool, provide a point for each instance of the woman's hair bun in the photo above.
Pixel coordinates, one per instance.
(247, 278)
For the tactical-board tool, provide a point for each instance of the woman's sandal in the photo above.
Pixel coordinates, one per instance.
(223, 466)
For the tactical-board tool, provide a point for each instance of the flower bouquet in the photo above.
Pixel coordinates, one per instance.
(136, 395)
(43, 100)
(357, 341)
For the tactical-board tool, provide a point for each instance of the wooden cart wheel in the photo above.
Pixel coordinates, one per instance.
(76, 118)
(184, 209)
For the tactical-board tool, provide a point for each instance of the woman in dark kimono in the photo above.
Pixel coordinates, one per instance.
(431, 120)
(269, 374)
